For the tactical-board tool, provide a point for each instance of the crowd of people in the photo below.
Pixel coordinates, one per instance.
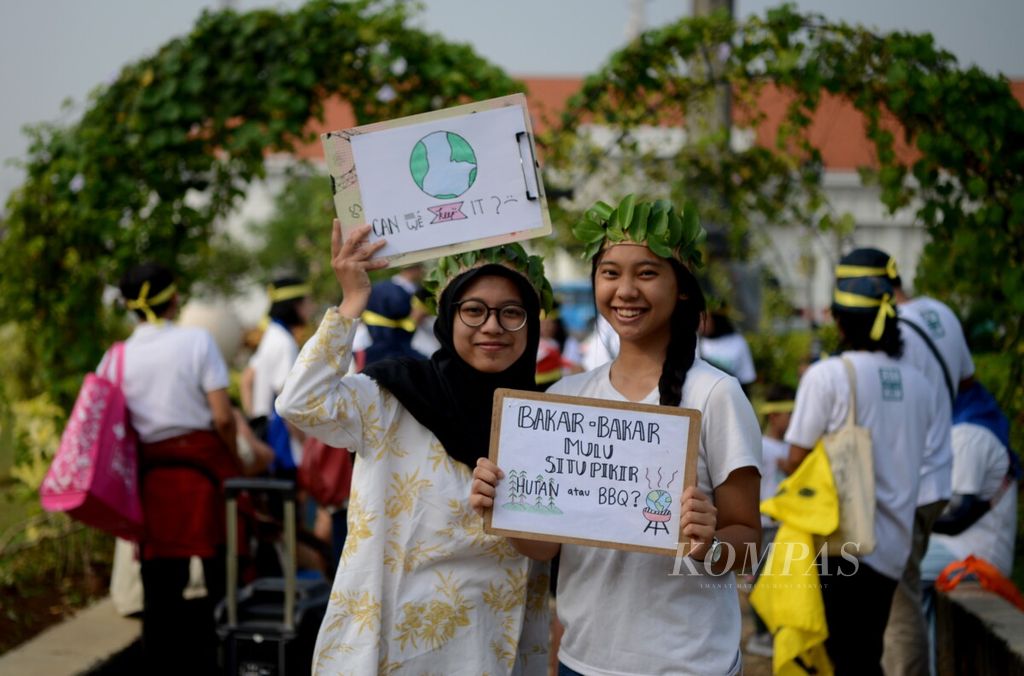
(420, 587)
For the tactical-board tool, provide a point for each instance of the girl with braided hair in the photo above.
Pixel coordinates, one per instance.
(627, 612)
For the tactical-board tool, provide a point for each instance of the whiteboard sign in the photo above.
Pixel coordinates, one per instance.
(442, 182)
(591, 471)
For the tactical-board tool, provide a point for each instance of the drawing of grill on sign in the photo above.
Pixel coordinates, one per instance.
(657, 511)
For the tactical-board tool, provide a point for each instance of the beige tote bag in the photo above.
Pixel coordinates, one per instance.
(853, 470)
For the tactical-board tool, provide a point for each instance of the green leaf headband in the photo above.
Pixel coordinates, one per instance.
(512, 256)
(656, 224)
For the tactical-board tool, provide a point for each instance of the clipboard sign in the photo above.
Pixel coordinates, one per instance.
(442, 182)
(591, 471)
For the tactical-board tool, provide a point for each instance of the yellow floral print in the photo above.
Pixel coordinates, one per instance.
(358, 607)
(467, 523)
(315, 414)
(434, 622)
(408, 560)
(330, 346)
(505, 649)
(359, 521)
(439, 457)
(506, 596)
(403, 492)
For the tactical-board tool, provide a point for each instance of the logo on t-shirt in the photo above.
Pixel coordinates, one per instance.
(892, 384)
(931, 318)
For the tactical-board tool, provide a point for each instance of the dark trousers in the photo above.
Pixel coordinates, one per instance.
(857, 600)
(178, 634)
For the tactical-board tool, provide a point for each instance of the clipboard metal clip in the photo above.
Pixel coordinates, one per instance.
(524, 141)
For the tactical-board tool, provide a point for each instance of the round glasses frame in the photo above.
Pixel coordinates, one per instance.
(477, 322)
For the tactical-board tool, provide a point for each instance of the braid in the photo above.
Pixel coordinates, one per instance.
(683, 341)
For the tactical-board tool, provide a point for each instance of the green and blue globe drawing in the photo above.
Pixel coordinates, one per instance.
(659, 501)
(443, 165)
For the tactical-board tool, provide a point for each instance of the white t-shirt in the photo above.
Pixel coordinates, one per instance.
(622, 611)
(942, 326)
(774, 450)
(731, 353)
(168, 370)
(906, 419)
(271, 363)
(979, 465)
(601, 346)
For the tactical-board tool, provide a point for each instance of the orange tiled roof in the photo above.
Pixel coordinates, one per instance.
(837, 129)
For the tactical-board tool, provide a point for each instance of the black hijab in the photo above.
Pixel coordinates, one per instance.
(444, 393)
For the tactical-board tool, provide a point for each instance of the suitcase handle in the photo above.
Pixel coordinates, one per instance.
(236, 485)
(232, 487)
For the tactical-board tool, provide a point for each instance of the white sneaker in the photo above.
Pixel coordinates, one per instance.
(760, 644)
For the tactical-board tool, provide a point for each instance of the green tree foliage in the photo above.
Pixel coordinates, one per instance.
(965, 179)
(171, 144)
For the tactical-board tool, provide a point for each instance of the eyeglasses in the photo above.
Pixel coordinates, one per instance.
(475, 313)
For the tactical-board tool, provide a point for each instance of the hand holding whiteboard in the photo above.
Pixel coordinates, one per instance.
(439, 183)
(591, 471)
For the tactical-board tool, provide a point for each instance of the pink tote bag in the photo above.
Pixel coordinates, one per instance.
(94, 475)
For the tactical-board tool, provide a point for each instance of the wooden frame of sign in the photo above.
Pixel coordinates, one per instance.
(500, 200)
(591, 471)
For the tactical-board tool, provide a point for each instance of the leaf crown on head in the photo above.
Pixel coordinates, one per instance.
(512, 256)
(665, 231)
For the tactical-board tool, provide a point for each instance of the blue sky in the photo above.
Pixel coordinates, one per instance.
(52, 50)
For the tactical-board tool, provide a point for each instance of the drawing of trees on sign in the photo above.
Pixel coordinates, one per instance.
(515, 496)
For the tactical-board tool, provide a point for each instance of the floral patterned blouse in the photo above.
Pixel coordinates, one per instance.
(420, 588)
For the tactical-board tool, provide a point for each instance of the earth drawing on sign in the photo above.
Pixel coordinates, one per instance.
(443, 165)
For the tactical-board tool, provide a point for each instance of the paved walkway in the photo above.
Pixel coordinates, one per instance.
(76, 646)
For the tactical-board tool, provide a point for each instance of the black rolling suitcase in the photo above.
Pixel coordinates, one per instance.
(268, 628)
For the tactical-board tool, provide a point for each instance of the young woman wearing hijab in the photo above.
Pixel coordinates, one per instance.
(420, 587)
(626, 612)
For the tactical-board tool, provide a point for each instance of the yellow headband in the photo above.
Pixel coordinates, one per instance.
(289, 292)
(884, 305)
(373, 319)
(145, 304)
(769, 407)
(848, 271)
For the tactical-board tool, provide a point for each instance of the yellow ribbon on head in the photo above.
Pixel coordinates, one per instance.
(371, 318)
(884, 305)
(418, 304)
(851, 271)
(288, 292)
(769, 407)
(145, 304)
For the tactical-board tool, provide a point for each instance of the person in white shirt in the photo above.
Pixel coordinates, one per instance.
(175, 386)
(290, 309)
(934, 343)
(723, 346)
(981, 519)
(601, 346)
(622, 611)
(906, 419)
